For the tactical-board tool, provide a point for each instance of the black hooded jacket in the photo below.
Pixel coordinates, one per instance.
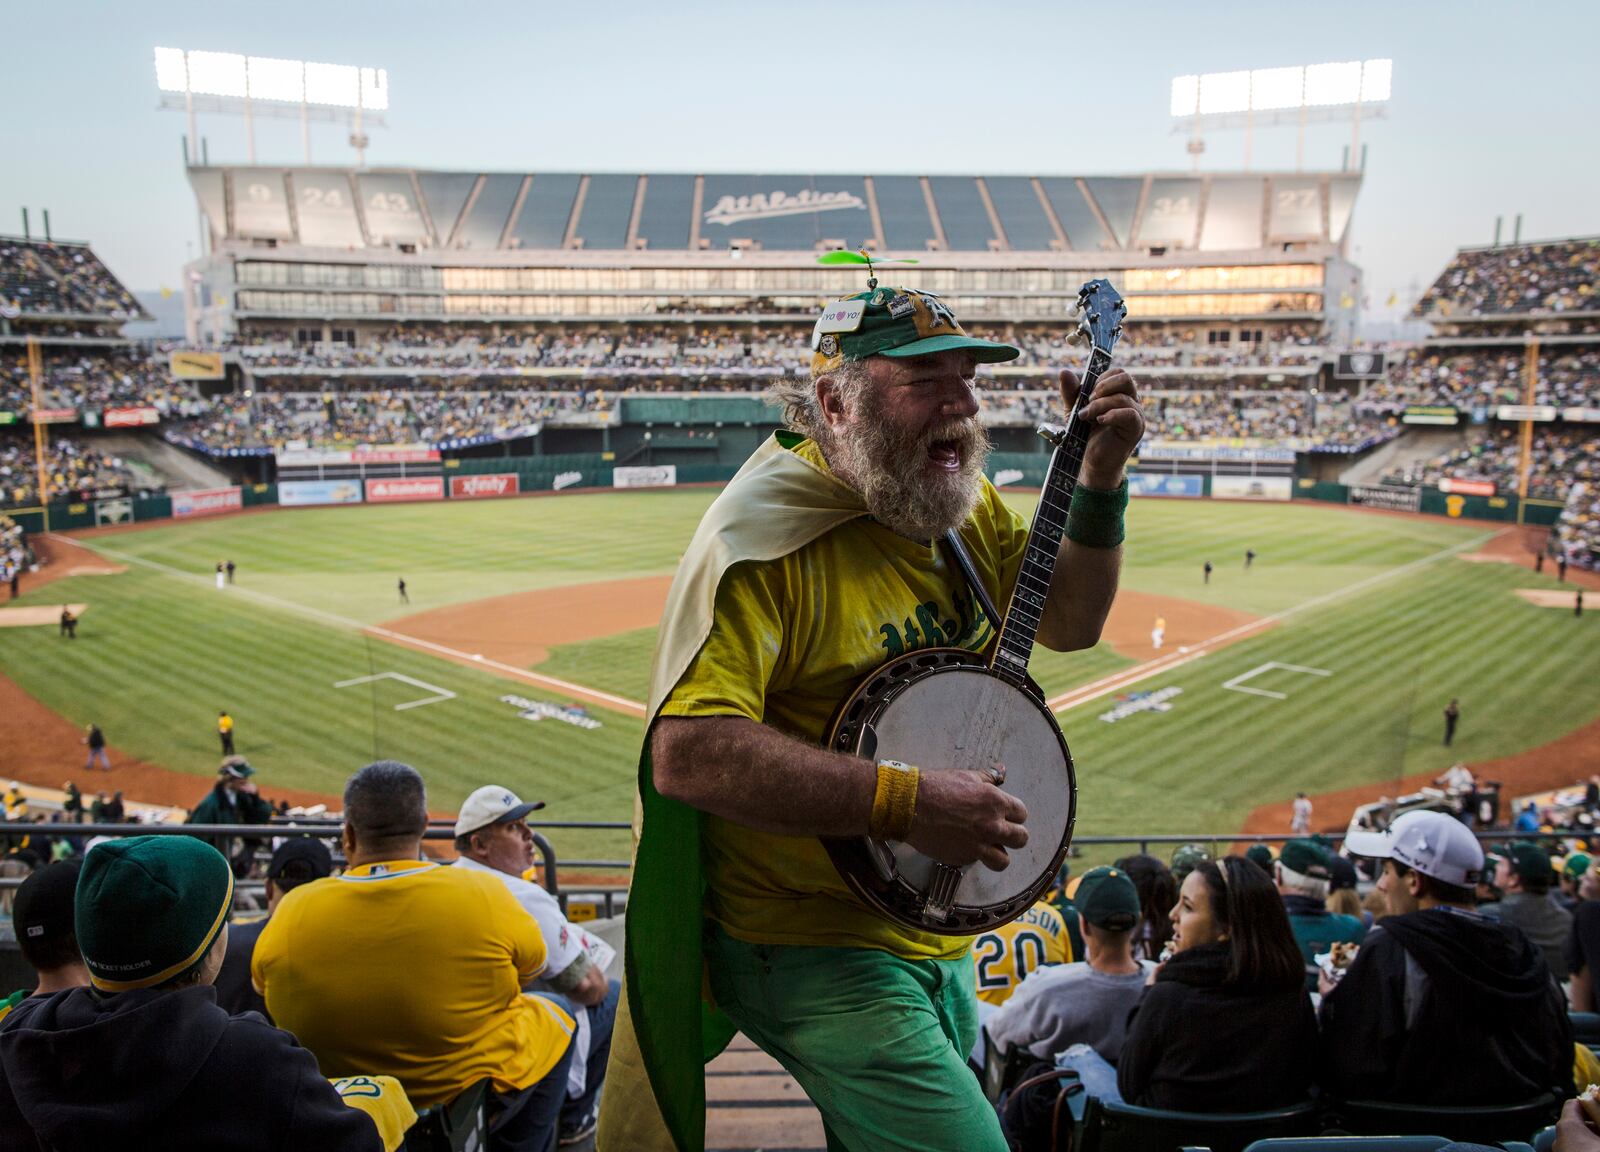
(163, 1068)
(1446, 1007)
(1197, 1043)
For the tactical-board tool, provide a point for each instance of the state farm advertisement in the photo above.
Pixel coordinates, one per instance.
(409, 488)
(131, 417)
(480, 487)
(205, 502)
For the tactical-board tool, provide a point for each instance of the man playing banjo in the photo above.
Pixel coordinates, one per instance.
(818, 563)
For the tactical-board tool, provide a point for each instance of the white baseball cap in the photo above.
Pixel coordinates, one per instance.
(492, 804)
(1433, 843)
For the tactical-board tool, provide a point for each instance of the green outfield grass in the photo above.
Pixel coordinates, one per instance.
(161, 650)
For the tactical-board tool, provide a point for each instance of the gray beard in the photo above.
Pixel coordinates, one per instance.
(889, 469)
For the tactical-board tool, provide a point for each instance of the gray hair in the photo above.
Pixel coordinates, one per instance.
(797, 396)
(386, 802)
(1305, 885)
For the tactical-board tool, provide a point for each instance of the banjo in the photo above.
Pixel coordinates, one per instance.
(947, 708)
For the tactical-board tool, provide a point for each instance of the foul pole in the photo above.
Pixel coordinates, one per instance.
(34, 373)
(1530, 380)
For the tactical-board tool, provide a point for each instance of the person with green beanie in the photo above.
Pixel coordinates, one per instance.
(1185, 857)
(1261, 856)
(1303, 873)
(144, 1057)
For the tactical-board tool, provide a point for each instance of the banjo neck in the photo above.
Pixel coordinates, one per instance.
(1014, 648)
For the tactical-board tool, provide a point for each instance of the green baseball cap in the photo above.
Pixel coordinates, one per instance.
(894, 322)
(1528, 860)
(1261, 856)
(149, 908)
(1185, 858)
(1576, 865)
(1308, 858)
(1107, 899)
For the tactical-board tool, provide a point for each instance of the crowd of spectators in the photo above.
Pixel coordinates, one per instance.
(38, 276)
(462, 349)
(269, 420)
(1467, 378)
(150, 967)
(75, 471)
(1254, 991)
(1554, 277)
(1558, 459)
(131, 376)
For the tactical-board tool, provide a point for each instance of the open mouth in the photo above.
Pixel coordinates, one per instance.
(945, 455)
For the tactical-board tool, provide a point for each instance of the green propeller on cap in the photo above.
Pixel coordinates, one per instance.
(861, 256)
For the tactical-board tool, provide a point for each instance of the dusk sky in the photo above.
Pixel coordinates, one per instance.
(1493, 108)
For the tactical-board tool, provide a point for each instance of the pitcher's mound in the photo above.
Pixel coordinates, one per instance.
(1549, 597)
(35, 616)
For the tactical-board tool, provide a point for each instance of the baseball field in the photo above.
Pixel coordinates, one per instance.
(1323, 667)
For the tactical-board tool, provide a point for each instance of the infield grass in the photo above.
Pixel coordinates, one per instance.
(161, 651)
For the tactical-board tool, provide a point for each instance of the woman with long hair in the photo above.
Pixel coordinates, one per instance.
(1158, 892)
(1225, 1024)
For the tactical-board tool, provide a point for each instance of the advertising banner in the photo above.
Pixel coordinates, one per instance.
(410, 488)
(8, 417)
(1467, 487)
(54, 415)
(1177, 450)
(1394, 497)
(297, 493)
(1149, 484)
(1430, 415)
(479, 487)
(1571, 415)
(1253, 487)
(1537, 412)
(196, 366)
(656, 476)
(131, 417)
(1358, 366)
(418, 455)
(205, 502)
(116, 511)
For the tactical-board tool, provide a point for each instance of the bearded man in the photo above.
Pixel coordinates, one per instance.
(819, 562)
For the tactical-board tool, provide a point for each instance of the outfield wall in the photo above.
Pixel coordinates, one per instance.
(481, 477)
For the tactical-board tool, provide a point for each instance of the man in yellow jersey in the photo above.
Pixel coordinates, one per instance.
(402, 968)
(1002, 957)
(818, 563)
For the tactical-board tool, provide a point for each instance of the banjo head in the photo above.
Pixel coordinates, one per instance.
(942, 709)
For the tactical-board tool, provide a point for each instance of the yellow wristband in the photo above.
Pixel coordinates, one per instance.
(894, 802)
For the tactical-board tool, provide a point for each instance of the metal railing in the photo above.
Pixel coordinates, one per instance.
(607, 896)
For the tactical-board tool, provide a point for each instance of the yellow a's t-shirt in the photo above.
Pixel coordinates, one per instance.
(410, 970)
(791, 640)
(1005, 955)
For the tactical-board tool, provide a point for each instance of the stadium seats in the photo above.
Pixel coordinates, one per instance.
(459, 1126)
(1491, 1122)
(1108, 1127)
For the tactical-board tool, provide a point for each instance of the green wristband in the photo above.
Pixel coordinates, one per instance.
(1094, 519)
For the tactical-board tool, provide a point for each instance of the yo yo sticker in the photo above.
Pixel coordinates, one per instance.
(841, 316)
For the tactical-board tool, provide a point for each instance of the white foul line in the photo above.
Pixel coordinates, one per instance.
(1119, 680)
(565, 687)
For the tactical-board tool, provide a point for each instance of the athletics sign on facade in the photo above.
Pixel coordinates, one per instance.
(479, 487)
(770, 205)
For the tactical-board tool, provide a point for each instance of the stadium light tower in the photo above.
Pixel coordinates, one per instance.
(1313, 93)
(249, 86)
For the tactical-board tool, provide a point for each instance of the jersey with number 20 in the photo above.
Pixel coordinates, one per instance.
(1007, 954)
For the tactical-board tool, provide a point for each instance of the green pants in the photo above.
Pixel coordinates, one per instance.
(877, 1042)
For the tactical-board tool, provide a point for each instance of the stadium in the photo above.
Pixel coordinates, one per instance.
(417, 481)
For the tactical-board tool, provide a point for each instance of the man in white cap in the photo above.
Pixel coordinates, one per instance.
(1441, 1006)
(492, 835)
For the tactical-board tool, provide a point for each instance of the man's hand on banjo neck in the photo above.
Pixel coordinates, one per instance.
(735, 768)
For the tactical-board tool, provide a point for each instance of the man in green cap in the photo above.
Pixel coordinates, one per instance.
(1084, 1003)
(1184, 858)
(1302, 872)
(1523, 875)
(233, 799)
(1573, 869)
(145, 1058)
(817, 563)
(1261, 856)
